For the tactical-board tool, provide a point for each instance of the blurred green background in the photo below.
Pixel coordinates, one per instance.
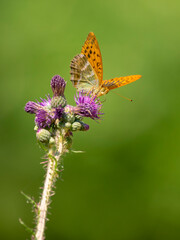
(127, 183)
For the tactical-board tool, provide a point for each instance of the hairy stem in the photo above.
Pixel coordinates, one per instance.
(43, 207)
(51, 176)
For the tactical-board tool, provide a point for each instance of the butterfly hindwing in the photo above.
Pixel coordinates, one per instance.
(119, 82)
(92, 52)
(82, 75)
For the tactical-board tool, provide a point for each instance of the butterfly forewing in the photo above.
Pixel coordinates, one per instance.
(82, 75)
(119, 82)
(92, 52)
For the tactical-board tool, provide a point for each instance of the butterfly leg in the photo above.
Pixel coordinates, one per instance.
(90, 91)
(101, 91)
(106, 91)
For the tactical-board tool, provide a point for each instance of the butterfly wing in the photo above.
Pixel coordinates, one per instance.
(83, 76)
(86, 68)
(119, 82)
(92, 52)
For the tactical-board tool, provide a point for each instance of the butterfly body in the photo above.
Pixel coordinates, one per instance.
(87, 71)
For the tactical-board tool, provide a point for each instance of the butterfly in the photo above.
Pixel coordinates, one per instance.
(87, 71)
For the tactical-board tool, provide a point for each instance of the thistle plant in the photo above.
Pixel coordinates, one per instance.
(55, 123)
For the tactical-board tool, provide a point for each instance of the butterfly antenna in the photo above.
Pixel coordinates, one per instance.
(124, 97)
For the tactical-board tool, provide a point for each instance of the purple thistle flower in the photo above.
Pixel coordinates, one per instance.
(45, 114)
(58, 112)
(32, 107)
(58, 85)
(43, 119)
(45, 102)
(87, 106)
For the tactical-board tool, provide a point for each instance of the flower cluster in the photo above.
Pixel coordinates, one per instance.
(51, 113)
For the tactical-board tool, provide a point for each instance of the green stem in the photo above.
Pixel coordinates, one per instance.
(51, 176)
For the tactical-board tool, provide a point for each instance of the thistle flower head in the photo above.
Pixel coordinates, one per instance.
(43, 119)
(87, 106)
(58, 85)
(32, 107)
(45, 114)
(58, 112)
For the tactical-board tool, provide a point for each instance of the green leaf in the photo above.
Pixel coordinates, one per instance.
(77, 151)
(42, 146)
(28, 229)
(52, 157)
(30, 200)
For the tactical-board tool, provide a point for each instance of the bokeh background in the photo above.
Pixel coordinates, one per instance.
(127, 183)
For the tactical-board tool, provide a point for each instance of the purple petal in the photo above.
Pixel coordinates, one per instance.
(58, 113)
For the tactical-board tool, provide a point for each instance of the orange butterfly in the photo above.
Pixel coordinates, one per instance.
(87, 71)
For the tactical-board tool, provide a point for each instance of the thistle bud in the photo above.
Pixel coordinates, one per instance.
(51, 140)
(78, 117)
(58, 85)
(68, 125)
(76, 126)
(35, 128)
(43, 135)
(58, 101)
(85, 127)
(70, 118)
